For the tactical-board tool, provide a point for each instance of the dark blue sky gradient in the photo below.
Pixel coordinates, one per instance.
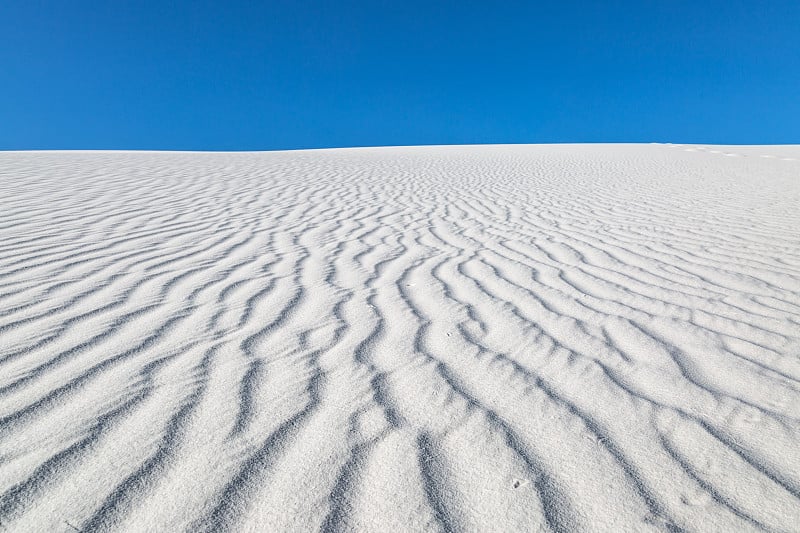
(298, 74)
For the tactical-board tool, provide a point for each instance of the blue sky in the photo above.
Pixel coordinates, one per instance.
(299, 74)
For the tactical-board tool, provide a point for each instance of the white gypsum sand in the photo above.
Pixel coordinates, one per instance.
(477, 338)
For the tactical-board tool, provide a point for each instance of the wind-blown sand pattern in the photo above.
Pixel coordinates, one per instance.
(484, 338)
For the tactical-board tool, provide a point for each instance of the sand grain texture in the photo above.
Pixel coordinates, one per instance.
(482, 338)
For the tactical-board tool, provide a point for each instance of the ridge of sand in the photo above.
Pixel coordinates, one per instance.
(478, 338)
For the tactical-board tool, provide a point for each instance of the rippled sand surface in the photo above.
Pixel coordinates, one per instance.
(481, 338)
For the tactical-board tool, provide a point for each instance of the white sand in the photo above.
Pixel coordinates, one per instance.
(485, 338)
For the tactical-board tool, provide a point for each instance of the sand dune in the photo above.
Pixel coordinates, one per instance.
(483, 338)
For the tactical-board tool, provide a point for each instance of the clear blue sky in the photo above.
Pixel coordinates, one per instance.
(235, 75)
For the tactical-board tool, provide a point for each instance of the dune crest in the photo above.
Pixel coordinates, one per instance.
(476, 338)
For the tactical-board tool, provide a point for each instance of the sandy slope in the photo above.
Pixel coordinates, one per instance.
(508, 338)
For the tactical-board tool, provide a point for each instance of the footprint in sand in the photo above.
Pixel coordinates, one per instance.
(696, 497)
(752, 416)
